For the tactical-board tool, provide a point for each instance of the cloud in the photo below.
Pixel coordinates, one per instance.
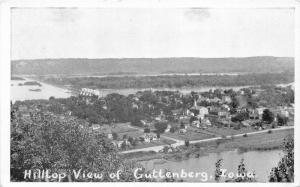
(65, 15)
(197, 14)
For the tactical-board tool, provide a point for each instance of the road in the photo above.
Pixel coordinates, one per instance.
(181, 142)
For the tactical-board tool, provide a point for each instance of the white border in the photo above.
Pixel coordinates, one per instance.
(5, 70)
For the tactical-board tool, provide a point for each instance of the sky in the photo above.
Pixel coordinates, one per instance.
(150, 32)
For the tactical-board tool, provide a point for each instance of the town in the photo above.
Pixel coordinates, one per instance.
(161, 120)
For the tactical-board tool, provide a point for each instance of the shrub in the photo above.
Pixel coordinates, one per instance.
(269, 131)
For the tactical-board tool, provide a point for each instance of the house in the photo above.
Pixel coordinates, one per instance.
(253, 114)
(189, 113)
(241, 92)
(215, 100)
(95, 126)
(202, 110)
(226, 107)
(89, 92)
(241, 109)
(135, 106)
(148, 137)
(223, 114)
(182, 131)
(117, 143)
(105, 129)
(143, 122)
(176, 112)
(196, 123)
(245, 123)
(23, 108)
(224, 122)
(206, 122)
(284, 113)
(260, 111)
(168, 128)
(226, 99)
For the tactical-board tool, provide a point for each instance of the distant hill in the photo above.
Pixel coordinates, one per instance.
(152, 65)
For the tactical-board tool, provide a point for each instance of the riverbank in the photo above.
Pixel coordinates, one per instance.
(21, 93)
(257, 142)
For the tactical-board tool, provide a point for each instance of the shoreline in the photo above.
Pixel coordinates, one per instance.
(75, 90)
(257, 142)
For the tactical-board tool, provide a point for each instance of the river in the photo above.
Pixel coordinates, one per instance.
(22, 93)
(259, 162)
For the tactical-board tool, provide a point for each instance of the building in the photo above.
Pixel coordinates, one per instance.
(148, 137)
(168, 128)
(201, 109)
(89, 92)
(226, 99)
(206, 122)
(284, 113)
(223, 114)
(182, 131)
(202, 112)
(105, 129)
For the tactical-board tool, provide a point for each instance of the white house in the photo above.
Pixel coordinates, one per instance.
(168, 128)
(226, 99)
(284, 113)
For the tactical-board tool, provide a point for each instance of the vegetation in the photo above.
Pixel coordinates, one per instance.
(161, 126)
(268, 116)
(242, 174)
(130, 66)
(14, 78)
(281, 120)
(174, 81)
(284, 171)
(31, 83)
(46, 142)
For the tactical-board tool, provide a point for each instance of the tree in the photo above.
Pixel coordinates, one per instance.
(242, 174)
(172, 129)
(182, 126)
(218, 171)
(240, 117)
(123, 145)
(161, 126)
(115, 136)
(63, 145)
(234, 103)
(187, 143)
(282, 120)
(137, 122)
(51, 98)
(284, 171)
(130, 140)
(142, 139)
(158, 135)
(193, 118)
(268, 116)
(147, 130)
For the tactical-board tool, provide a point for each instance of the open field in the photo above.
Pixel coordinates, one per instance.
(162, 141)
(264, 141)
(191, 134)
(227, 130)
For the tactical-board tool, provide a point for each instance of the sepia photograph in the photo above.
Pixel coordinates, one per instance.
(151, 94)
